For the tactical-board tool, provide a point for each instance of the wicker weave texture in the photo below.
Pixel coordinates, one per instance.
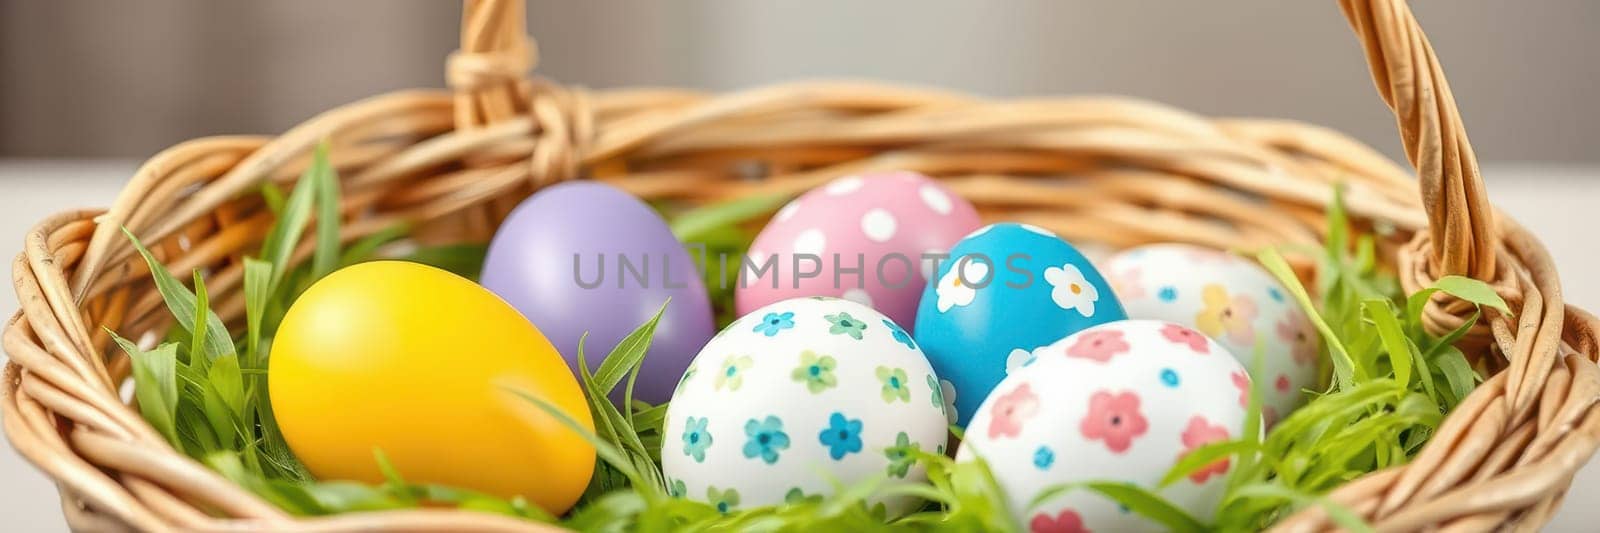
(1111, 171)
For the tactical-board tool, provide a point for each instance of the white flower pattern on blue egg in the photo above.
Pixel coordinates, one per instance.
(954, 289)
(1039, 230)
(1070, 290)
(1024, 288)
(1020, 358)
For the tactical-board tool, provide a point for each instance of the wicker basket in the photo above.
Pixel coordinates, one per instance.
(453, 164)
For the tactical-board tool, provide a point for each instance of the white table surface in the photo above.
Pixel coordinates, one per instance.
(1549, 200)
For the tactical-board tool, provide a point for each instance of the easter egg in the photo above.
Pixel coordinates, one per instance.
(585, 257)
(422, 364)
(794, 394)
(868, 239)
(1231, 299)
(1006, 290)
(1118, 402)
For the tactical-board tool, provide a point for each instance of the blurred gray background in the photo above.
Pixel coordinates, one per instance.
(98, 78)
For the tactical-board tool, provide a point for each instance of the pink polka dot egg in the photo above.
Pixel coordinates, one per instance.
(869, 238)
(1118, 402)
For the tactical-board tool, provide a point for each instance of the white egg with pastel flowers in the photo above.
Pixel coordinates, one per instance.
(1120, 402)
(798, 395)
(1230, 299)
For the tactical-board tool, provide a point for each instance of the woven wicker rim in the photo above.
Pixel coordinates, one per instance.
(453, 163)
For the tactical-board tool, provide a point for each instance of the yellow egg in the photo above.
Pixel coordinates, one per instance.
(416, 361)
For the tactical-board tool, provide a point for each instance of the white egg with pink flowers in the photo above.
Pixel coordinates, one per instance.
(1120, 402)
(1231, 299)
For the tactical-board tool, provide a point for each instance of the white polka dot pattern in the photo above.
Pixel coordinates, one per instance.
(869, 232)
(878, 224)
(811, 242)
(843, 186)
(935, 199)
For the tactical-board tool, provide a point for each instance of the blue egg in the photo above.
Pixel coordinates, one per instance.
(1005, 291)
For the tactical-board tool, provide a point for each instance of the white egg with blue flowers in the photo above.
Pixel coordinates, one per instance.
(797, 396)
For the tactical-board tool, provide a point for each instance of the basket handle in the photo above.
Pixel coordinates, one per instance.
(1409, 78)
(488, 75)
(489, 71)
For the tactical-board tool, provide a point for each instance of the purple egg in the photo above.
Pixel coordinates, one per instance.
(586, 257)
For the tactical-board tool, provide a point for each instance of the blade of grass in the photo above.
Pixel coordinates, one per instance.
(610, 424)
(1343, 366)
(1206, 455)
(326, 256)
(257, 278)
(465, 260)
(691, 225)
(1340, 514)
(627, 399)
(1252, 431)
(394, 483)
(275, 450)
(155, 385)
(1449, 339)
(1453, 364)
(364, 248)
(1414, 305)
(278, 248)
(651, 419)
(610, 454)
(1401, 351)
(224, 401)
(977, 491)
(273, 196)
(628, 353)
(1337, 242)
(287, 496)
(1473, 291)
(202, 310)
(1137, 499)
(181, 302)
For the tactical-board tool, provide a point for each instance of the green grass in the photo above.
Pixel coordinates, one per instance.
(719, 236)
(1390, 384)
